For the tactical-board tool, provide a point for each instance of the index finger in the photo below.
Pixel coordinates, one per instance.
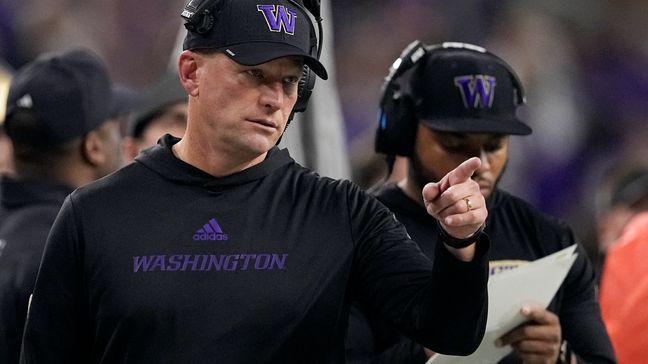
(463, 172)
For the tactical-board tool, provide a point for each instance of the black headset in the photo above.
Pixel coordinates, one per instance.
(307, 81)
(200, 16)
(397, 121)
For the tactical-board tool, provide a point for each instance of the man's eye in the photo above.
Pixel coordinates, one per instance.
(495, 145)
(256, 73)
(492, 147)
(453, 148)
(450, 145)
(291, 80)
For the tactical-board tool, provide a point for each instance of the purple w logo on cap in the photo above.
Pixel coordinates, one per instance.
(279, 17)
(476, 90)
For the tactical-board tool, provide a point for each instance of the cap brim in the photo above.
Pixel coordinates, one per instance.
(489, 126)
(124, 100)
(254, 53)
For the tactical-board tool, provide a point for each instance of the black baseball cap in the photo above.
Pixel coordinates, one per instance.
(254, 32)
(69, 91)
(164, 93)
(465, 89)
(126, 99)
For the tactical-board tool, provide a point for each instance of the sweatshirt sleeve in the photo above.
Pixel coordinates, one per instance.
(442, 304)
(57, 327)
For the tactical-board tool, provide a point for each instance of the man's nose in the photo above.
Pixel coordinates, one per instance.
(272, 96)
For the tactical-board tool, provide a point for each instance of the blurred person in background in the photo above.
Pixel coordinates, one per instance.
(624, 291)
(624, 279)
(441, 105)
(622, 195)
(60, 121)
(163, 111)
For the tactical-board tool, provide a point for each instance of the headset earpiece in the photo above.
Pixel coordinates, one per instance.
(307, 80)
(397, 122)
(305, 88)
(304, 91)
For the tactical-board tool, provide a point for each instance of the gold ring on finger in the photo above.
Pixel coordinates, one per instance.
(468, 203)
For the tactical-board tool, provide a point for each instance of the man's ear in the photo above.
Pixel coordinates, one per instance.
(92, 149)
(187, 69)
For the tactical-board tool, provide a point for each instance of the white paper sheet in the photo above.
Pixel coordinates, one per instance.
(533, 283)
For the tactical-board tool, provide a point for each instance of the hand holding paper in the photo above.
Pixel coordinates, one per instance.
(532, 285)
(537, 340)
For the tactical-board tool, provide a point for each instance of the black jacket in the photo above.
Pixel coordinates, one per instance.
(27, 212)
(519, 233)
(163, 263)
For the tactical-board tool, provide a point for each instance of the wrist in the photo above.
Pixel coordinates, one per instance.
(458, 243)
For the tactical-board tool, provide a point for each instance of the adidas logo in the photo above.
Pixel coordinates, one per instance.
(25, 101)
(210, 231)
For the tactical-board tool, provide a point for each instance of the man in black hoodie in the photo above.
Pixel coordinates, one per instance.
(60, 119)
(446, 103)
(220, 248)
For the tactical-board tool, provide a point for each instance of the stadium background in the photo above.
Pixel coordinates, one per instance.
(584, 64)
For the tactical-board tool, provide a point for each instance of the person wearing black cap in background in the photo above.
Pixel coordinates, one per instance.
(441, 105)
(220, 248)
(622, 194)
(624, 276)
(163, 110)
(60, 119)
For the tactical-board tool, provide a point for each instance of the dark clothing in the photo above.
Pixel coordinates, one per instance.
(163, 263)
(27, 212)
(519, 234)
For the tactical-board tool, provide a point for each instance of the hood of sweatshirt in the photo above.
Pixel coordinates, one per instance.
(161, 160)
